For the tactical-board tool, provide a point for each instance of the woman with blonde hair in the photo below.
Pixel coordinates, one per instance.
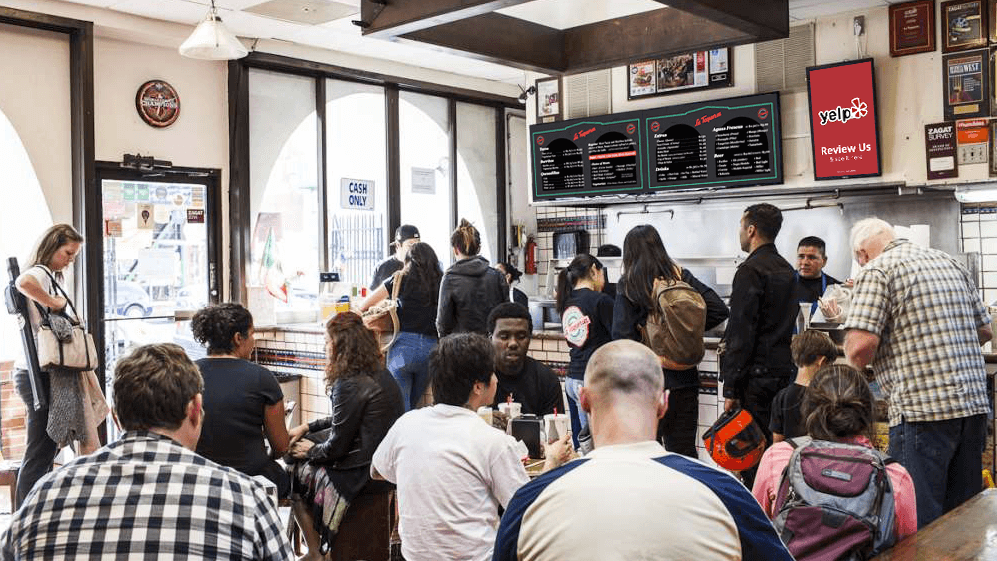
(336, 451)
(470, 288)
(40, 282)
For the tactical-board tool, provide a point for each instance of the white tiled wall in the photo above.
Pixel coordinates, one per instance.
(979, 234)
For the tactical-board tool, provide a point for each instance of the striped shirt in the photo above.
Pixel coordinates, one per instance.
(145, 497)
(923, 306)
(636, 501)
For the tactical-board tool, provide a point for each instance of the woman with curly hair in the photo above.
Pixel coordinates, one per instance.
(337, 450)
(240, 397)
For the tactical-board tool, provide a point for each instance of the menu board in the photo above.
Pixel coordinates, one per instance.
(723, 143)
(588, 157)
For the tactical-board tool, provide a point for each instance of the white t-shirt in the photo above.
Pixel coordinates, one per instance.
(453, 471)
(34, 316)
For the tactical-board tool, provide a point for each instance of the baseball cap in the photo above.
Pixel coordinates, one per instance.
(406, 232)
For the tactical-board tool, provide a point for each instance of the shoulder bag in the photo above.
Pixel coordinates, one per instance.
(62, 340)
(382, 318)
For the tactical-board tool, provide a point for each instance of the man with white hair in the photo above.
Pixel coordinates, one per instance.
(918, 320)
(629, 498)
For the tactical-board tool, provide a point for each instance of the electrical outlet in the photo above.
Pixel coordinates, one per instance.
(858, 25)
(973, 153)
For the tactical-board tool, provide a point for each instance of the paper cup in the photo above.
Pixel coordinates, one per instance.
(486, 414)
(513, 410)
(556, 426)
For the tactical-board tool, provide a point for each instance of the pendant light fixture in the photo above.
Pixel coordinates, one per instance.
(211, 40)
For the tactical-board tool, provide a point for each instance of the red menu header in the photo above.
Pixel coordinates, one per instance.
(843, 122)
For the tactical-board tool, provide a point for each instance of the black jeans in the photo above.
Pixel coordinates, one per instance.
(677, 429)
(40, 450)
(758, 398)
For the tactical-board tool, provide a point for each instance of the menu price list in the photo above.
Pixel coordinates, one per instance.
(680, 154)
(613, 161)
(742, 148)
(561, 166)
(588, 157)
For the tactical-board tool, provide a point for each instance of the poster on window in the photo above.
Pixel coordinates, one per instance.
(965, 77)
(843, 120)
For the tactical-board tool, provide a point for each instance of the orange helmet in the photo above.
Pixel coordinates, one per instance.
(735, 441)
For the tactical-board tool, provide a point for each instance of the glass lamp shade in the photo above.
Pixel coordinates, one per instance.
(211, 40)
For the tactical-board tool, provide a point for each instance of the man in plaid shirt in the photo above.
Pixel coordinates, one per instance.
(917, 318)
(148, 495)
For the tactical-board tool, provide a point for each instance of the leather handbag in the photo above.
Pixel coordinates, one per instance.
(382, 318)
(62, 341)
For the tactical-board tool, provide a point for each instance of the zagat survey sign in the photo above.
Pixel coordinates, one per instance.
(843, 122)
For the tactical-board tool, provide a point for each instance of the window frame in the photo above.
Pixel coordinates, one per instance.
(240, 218)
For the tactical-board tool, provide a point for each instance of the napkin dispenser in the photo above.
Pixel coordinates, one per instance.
(530, 430)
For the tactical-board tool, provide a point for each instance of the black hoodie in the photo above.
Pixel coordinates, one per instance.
(468, 292)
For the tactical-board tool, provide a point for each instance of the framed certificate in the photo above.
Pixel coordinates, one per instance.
(912, 27)
(548, 100)
(964, 25)
(967, 84)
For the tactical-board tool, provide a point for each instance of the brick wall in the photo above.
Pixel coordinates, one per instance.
(12, 413)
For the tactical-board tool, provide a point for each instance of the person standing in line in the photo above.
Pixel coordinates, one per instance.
(811, 349)
(54, 253)
(917, 319)
(757, 362)
(242, 400)
(470, 288)
(408, 357)
(405, 236)
(587, 321)
(512, 275)
(644, 260)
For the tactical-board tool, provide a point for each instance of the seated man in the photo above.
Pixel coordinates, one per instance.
(629, 498)
(148, 495)
(528, 381)
(453, 471)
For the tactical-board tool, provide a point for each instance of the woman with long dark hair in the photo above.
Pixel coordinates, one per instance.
(242, 400)
(512, 274)
(837, 407)
(470, 287)
(587, 321)
(40, 283)
(336, 451)
(418, 297)
(644, 260)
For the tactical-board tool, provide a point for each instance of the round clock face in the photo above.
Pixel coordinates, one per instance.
(157, 103)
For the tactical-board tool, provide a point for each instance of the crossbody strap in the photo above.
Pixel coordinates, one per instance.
(69, 302)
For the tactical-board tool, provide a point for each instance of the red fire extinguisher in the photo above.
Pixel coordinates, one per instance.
(531, 256)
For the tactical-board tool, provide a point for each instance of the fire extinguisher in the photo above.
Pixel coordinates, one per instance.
(531, 256)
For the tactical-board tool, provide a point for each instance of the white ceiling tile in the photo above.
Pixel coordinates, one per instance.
(565, 14)
(181, 11)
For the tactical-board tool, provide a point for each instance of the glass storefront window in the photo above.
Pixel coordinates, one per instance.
(476, 173)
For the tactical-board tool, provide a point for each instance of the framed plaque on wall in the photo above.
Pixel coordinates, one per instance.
(966, 79)
(548, 100)
(964, 25)
(912, 27)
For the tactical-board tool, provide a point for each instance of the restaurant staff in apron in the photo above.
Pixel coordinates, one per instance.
(811, 280)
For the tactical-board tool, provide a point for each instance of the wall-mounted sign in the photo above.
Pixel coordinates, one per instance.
(679, 73)
(356, 194)
(844, 127)
(966, 76)
(939, 149)
(912, 27)
(157, 103)
(195, 215)
(548, 100)
(972, 131)
(964, 25)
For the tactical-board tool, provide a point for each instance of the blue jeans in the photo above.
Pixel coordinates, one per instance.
(408, 362)
(943, 459)
(578, 418)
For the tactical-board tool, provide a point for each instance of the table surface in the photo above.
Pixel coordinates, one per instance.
(968, 532)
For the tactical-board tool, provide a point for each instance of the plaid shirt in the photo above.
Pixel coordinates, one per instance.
(923, 306)
(145, 497)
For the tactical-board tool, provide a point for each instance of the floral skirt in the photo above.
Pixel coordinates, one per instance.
(327, 507)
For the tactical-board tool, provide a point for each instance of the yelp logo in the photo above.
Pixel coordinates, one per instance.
(841, 114)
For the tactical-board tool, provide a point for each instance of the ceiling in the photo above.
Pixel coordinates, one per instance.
(244, 17)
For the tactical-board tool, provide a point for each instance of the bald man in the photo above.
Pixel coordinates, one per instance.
(629, 498)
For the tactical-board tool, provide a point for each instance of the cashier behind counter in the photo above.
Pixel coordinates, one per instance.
(811, 280)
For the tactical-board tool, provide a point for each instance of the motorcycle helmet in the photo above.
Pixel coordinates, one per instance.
(735, 441)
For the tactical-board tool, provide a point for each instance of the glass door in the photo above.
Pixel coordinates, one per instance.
(161, 257)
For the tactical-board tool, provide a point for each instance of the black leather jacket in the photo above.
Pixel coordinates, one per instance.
(763, 310)
(363, 409)
(468, 292)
